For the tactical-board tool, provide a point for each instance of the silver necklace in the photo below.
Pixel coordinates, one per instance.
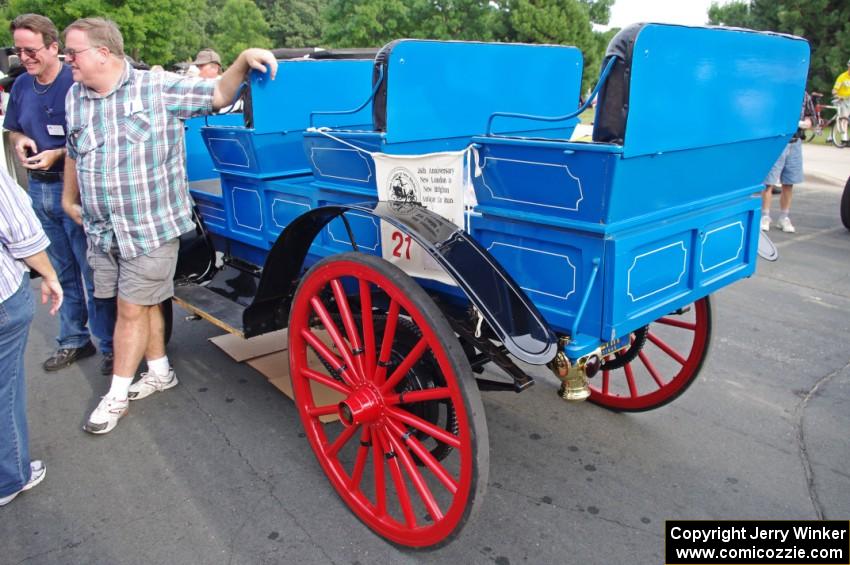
(46, 88)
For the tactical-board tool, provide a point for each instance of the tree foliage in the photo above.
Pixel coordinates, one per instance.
(599, 11)
(294, 23)
(239, 25)
(168, 31)
(367, 23)
(156, 31)
(825, 23)
(373, 23)
(565, 22)
(470, 20)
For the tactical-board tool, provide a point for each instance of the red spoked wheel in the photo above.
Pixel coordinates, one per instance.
(409, 452)
(663, 360)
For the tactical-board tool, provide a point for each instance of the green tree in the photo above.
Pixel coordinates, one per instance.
(470, 20)
(549, 21)
(367, 23)
(824, 23)
(372, 23)
(156, 31)
(153, 29)
(294, 23)
(735, 14)
(238, 25)
(599, 11)
(565, 22)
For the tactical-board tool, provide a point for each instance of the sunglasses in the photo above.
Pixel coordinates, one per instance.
(28, 51)
(72, 53)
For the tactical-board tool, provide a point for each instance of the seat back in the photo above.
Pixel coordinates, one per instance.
(676, 88)
(303, 86)
(449, 89)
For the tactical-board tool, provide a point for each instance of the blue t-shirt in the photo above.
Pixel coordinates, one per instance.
(32, 107)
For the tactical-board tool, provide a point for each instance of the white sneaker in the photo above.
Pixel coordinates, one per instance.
(105, 417)
(785, 225)
(37, 473)
(765, 223)
(150, 383)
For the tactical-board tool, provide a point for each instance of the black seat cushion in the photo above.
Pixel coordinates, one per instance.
(379, 102)
(612, 107)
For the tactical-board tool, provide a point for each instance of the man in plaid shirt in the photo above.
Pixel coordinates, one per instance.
(126, 167)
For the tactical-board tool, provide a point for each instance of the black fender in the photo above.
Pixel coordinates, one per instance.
(514, 319)
(196, 255)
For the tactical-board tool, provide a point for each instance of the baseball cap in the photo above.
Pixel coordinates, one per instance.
(206, 56)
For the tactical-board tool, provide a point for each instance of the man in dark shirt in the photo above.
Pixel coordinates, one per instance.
(36, 119)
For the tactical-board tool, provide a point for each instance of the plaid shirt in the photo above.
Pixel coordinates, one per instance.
(130, 152)
(21, 235)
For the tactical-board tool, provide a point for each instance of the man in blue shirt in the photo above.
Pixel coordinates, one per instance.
(36, 119)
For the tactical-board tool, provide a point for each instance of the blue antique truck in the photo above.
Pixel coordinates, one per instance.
(413, 216)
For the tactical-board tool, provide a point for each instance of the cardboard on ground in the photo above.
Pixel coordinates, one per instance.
(268, 354)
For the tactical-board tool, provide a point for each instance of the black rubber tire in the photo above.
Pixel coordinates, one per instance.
(168, 317)
(845, 205)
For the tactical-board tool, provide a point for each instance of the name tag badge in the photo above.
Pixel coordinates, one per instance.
(55, 129)
(133, 107)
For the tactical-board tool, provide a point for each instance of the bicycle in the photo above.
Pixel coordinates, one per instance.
(833, 125)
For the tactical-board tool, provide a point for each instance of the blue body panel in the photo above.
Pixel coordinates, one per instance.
(199, 165)
(249, 215)
(346, 164)
(239, 151)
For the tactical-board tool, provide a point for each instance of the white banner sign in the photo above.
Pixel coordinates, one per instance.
(438, 181)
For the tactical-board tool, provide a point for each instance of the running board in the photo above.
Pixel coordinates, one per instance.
(211, 306)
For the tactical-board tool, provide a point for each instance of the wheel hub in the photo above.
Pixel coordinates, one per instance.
(364, 405)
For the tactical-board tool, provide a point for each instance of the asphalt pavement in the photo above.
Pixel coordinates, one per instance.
(218, 470)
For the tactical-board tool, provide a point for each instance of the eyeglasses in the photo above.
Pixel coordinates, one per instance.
(72, 53)
(28, 51)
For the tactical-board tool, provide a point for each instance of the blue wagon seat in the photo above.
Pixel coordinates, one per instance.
(260, 161)
(268, 144)
(432, 96)
(659, 209)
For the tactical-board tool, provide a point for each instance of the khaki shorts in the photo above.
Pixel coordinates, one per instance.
(144, 280)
